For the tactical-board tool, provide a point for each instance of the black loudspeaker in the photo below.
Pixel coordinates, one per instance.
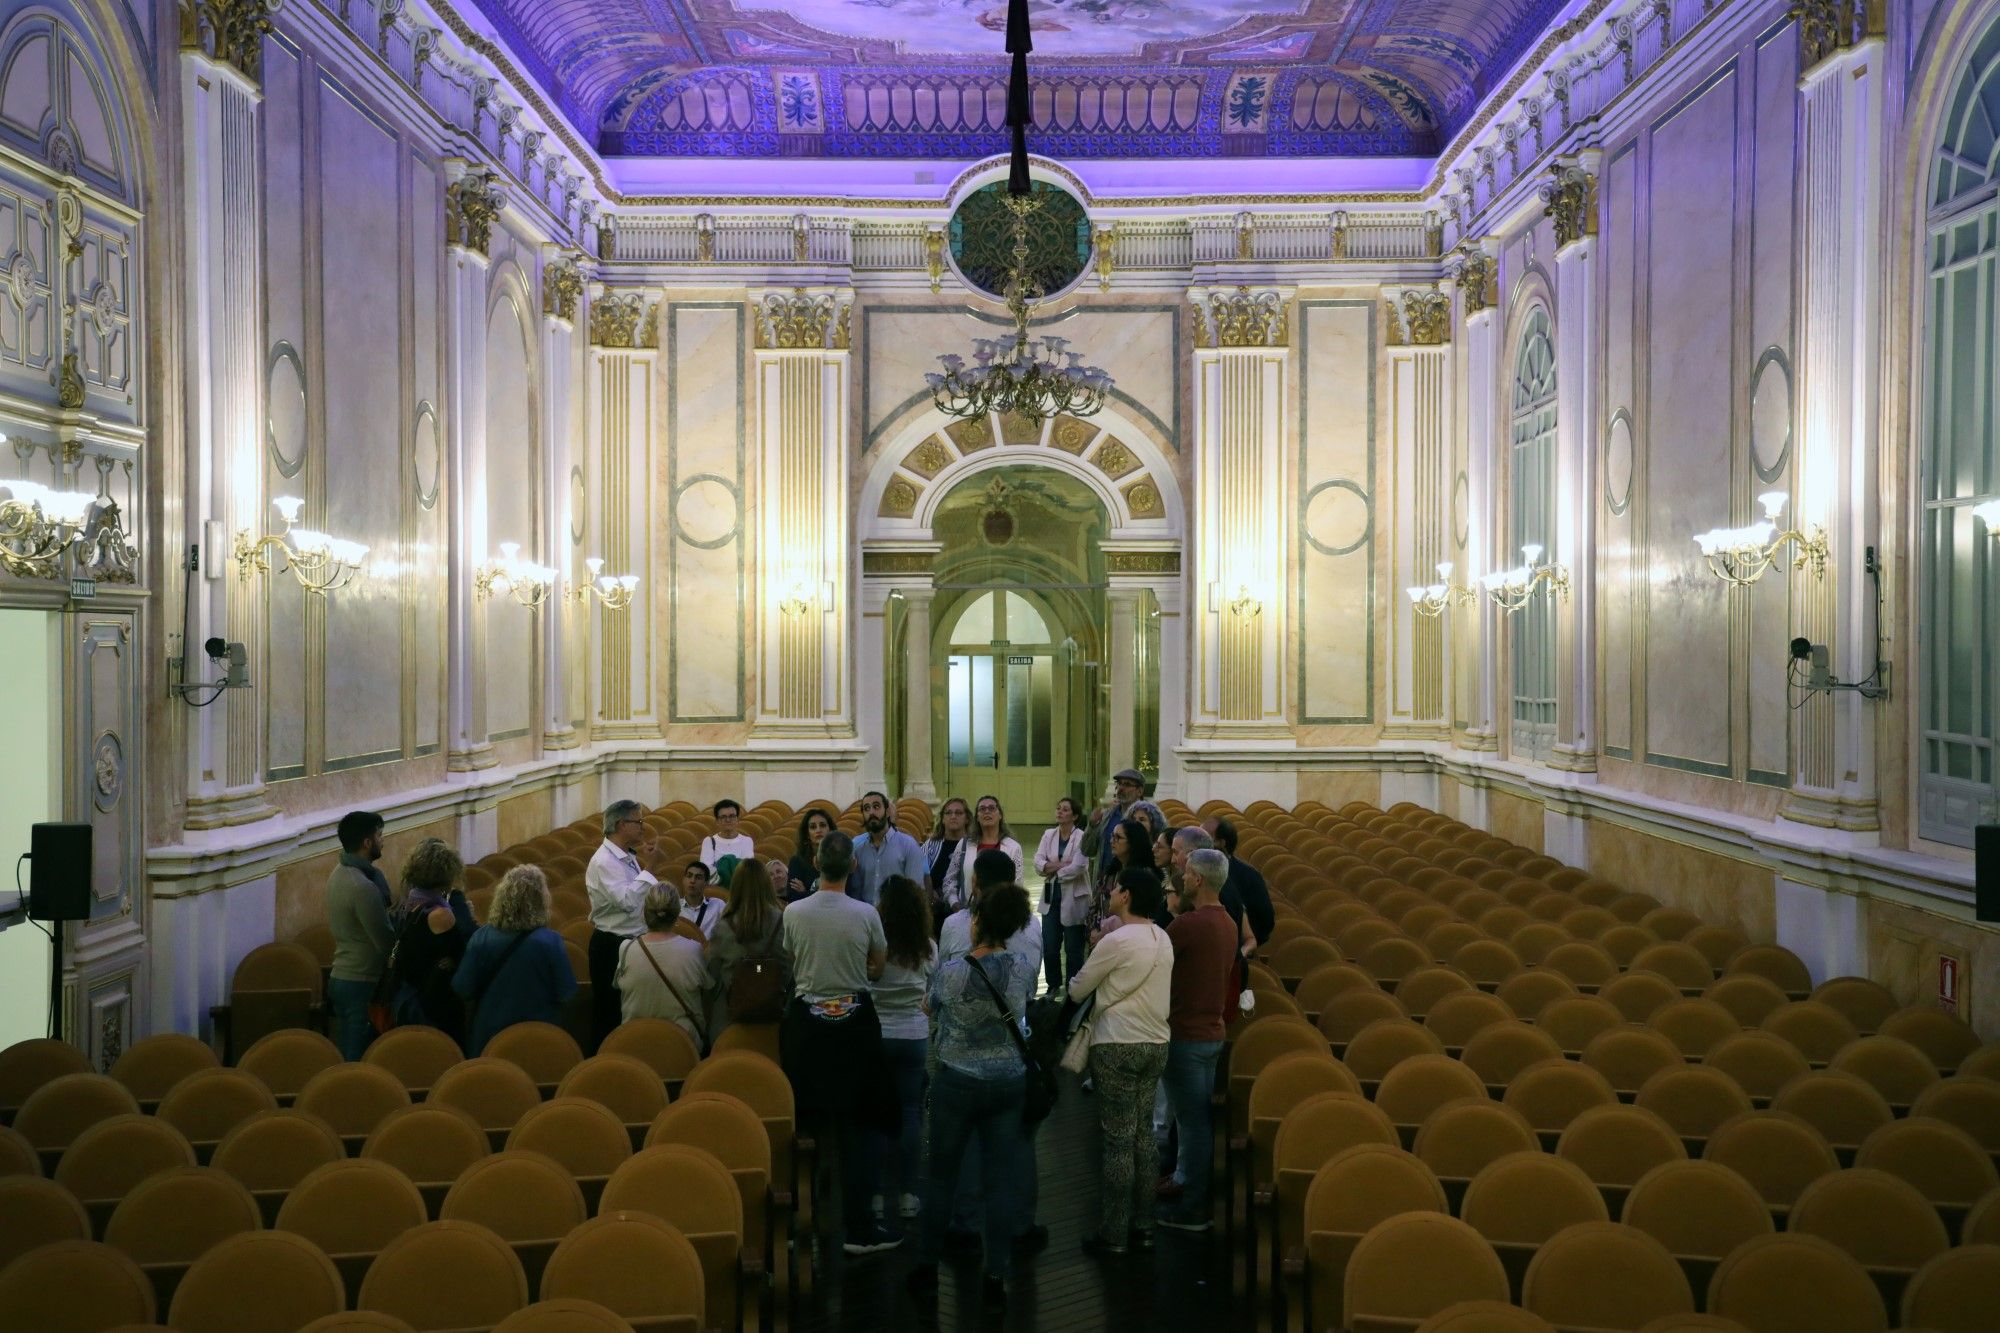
(1986, 872)
(59, 874)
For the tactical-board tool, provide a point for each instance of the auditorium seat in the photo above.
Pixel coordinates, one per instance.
(110, 1159)
(525, 1198)
(543, 1051)
(1351, 1191)
(408, 1279)
(1878, 1220)
(1796, 1284)
(1519, 1201)
(209, 1103)
(1954, 1292)
(432, 1143)
(273, 1151)
(151, 1066)
(1603, 1275)
(36, 1212)
(1413, 1265)
(633, 1264)
(74, 1286)
(569, 1315)
(170, 1220)
(1700, 1210)
(27, 1065)
(286, 1061)
(352, 1209)
(417, 1056)
(496, 1093)
(689, 1189)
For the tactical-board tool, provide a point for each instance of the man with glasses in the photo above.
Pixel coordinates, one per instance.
(1129, 803)
(617, 885)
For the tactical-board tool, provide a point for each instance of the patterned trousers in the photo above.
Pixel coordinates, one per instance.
(1125, 1076)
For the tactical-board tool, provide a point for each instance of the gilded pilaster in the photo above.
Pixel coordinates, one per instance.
(622, 369)
(802, 364)
(562, 285)
(468, 746)
(1577, 488)
(1420, 421)
(1476, 627)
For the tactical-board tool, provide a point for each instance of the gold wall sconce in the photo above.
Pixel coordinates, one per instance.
(612, 591)
(1436, 598)
(38, 524)
(1512, 589)
(1740, 556)
(320, 562)
(529, 582)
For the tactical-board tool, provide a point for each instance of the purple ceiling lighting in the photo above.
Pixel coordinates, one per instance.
(928, 78)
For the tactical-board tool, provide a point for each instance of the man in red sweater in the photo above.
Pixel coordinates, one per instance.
(1204, 939)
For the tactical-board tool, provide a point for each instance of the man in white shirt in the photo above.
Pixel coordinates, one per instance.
(617, 885)
(724, 848)
(697, 908)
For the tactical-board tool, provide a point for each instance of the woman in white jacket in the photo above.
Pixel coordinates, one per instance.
(1066, 895)
(989, 832)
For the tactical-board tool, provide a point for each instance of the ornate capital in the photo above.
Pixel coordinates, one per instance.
(230, 32)
(1425, 317)
(934, 256)
(627, 320)
(1478, 279)
(1826, 28)
(802, 319)
(471, 203)
(562, 284)
(1570, 199)
(1240, 317)
(704, 238)
(1106, 253)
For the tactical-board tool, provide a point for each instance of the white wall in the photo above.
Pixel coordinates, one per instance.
(30, 694)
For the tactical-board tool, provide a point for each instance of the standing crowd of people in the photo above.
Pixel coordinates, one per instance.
(901, 975)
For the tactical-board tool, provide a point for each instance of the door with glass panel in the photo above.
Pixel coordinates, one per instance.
(1006, 706)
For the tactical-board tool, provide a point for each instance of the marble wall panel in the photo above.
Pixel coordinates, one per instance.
(1518, 819)
(1691, 233)
(1335, 789)
(700, 517)
(422, 481)
(1339, 510)
(1904, 945)
(289, 395)
(360, 282)
(1621, 447)
(1719, 889)
(526, 816)
(510, 511)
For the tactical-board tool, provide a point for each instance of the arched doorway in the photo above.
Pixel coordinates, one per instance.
(1016, 650)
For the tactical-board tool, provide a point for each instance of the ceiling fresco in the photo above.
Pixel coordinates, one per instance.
(927, 78)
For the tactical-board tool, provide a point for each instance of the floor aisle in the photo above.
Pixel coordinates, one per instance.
(1183, 1284)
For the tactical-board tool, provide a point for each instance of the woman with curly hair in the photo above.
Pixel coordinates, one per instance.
(814, 825)
(430, 939)
(515, 970)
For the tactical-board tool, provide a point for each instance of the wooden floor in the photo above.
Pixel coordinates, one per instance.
(1183, 1284)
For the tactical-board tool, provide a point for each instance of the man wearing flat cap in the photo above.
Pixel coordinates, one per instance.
(1129, 803)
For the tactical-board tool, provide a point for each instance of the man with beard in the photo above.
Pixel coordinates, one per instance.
(882, 851)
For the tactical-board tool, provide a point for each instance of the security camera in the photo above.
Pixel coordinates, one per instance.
(215, 648)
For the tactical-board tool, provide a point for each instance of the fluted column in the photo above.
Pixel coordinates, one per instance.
(470, 209)
(1841, 173)
(1478, 621)
(562, 287)
(1241, 364)
(1420, 393)
(1122, 684)
(802, 366)
(620, 369)
(1572, 199)
(920, 779)
(222, 184)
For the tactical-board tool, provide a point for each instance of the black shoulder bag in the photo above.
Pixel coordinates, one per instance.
(1040, 1095)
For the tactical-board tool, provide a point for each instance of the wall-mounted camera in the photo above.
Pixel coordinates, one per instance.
(1811, 666)
(231, 659)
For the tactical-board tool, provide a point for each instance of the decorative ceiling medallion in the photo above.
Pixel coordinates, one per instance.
(1113, 459)
(1143, 499)
(1072, 436)
(900, 499)
(971, 435)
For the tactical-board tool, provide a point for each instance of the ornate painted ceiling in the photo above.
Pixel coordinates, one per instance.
(927, 78)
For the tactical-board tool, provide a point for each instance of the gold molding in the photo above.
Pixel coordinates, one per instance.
(1570, 201)
(1421, 319)
(898, 562)
(1142, 562)
(1478, 279)
(930, 457)
(230, 32)
(471, 204)
(900, 499)
(562, 284)
(1240, 318)
(623, 321)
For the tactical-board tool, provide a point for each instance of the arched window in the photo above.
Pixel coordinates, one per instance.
(1531, 508)
(1958, 612)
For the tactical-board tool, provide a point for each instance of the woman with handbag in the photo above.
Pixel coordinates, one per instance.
(515, 970)
(663, 974)
(1066, 895)
(981, 1087)
(745, 944)
(1130, 975)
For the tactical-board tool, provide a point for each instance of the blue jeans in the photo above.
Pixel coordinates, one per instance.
(348, 1003)
(907, 1058)
(1058, 940)
(967, 1110)
(1189, 1081)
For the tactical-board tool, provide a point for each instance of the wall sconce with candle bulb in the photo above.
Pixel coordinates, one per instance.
(612, 591)
(1512, 589)
(527, 581)
(321, 563)
(39, 524)
(1436, 598)
(1741, 555)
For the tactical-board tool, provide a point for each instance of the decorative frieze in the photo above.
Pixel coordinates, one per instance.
(1570, 201)
(1240, 317)
(623, 321)
(898, 562)
(471, 205)
(230, 32)
(1142, 562)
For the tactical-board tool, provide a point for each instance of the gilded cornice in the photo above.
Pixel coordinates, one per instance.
(471, 204)
(1240, 317)
(1421, 318)
(562, 284)
(1478, 279)
(228, 31)
(1570, 201)
(802, 319)
(1826, 28)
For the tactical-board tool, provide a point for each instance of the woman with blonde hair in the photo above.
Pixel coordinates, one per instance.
(430, 940)
(515, 970)
(746, 970)
(661, 973)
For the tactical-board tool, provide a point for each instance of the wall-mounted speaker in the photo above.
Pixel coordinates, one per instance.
(59, 873)
(1986, 872)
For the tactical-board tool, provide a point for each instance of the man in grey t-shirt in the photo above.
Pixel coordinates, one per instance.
(831, 1044)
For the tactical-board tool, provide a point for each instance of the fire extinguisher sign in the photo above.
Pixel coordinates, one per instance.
(1948, 983)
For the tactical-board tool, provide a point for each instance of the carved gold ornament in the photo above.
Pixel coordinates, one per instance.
(1143, 499)
(471, 204)
(1826, 27)
(800, 319)
(1241, 318)
(928, 458)
(1107, 255)
(69, 383)
(1071, 435)
(621, 321)
(900, 499)
(934, 256)
(229, 31)
(1142, 562)
(1113, 459)
(1426, 317)
(1478, 279)
(1570, 200)
(562, 284)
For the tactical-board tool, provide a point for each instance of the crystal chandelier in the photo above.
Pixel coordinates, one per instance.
(1031, 378)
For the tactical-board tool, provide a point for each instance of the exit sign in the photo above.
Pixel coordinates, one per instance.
(82, 590)
(1948, 983)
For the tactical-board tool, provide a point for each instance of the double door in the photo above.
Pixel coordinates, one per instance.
(1006, 724)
